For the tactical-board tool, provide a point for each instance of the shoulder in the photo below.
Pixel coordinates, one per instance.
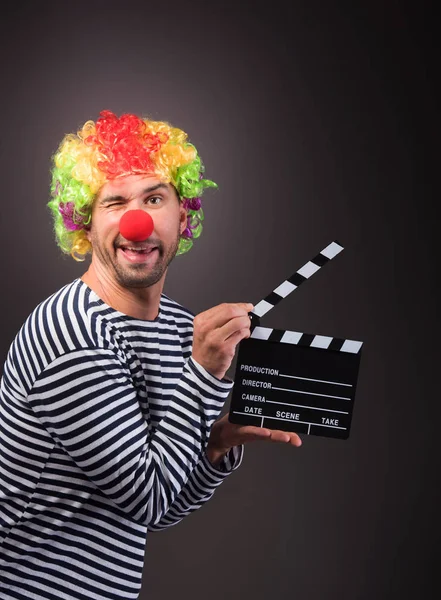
(174, 310)
(58, 324)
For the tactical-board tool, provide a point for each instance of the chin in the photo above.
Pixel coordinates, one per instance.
(140, 281)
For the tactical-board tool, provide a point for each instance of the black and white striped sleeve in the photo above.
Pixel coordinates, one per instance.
(200, 487)
(87, 402)
(203, 481)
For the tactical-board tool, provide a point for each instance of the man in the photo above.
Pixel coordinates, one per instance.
(111, 390)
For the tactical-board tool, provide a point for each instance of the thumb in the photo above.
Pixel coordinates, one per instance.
(246, 306)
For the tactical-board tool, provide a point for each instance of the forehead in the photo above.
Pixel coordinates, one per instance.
(130, 185)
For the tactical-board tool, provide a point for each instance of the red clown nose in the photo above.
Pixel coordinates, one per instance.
(136, 225)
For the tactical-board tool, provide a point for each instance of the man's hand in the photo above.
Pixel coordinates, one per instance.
(217, 332)
(224, 435)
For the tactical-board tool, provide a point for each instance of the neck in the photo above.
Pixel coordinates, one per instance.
(140, 303)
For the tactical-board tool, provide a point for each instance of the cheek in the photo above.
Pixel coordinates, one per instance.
(103, 229)
(110, 225)
(169, 225)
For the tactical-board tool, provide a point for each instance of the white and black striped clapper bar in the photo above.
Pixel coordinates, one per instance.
(295, 381)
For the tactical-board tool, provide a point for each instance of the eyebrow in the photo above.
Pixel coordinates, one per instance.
(116, 197)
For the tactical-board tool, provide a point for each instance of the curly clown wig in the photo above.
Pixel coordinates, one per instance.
(115, 147)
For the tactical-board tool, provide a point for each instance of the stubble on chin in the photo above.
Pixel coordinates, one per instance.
(136, 276)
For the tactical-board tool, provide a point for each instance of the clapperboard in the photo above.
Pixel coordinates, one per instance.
(295, 381)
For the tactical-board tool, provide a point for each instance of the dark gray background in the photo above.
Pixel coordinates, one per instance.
(319, 121)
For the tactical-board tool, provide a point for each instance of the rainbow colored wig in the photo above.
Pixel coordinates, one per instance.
(115, 147)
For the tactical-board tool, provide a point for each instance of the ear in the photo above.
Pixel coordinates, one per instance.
(182, 218)
(87, 232)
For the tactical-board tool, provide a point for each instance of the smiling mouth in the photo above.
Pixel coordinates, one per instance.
(137, 254)
(130, 250)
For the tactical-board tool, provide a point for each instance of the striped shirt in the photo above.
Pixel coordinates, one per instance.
(104, 423)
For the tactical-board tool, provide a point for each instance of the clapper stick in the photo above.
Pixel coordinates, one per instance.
(291, 380)
(293, 282)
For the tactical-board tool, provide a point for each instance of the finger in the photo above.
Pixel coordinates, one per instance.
(259, 432)
(295, 440)
(279, 436)
(286, 437)
(238, 326)
(222, 313)
(218, 316)
(243, 434)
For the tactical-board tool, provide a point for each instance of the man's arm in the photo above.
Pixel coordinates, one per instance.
(212, 469)
(223, 455)
(200, 487)
(86, 400)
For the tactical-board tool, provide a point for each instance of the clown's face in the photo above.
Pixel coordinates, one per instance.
(111, 255)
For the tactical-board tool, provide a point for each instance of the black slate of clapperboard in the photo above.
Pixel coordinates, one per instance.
(312, 387)
(321, 407)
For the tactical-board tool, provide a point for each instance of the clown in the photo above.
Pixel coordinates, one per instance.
(111, 391)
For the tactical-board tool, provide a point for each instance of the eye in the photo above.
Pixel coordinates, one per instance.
(155, 200)
(114, 203)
